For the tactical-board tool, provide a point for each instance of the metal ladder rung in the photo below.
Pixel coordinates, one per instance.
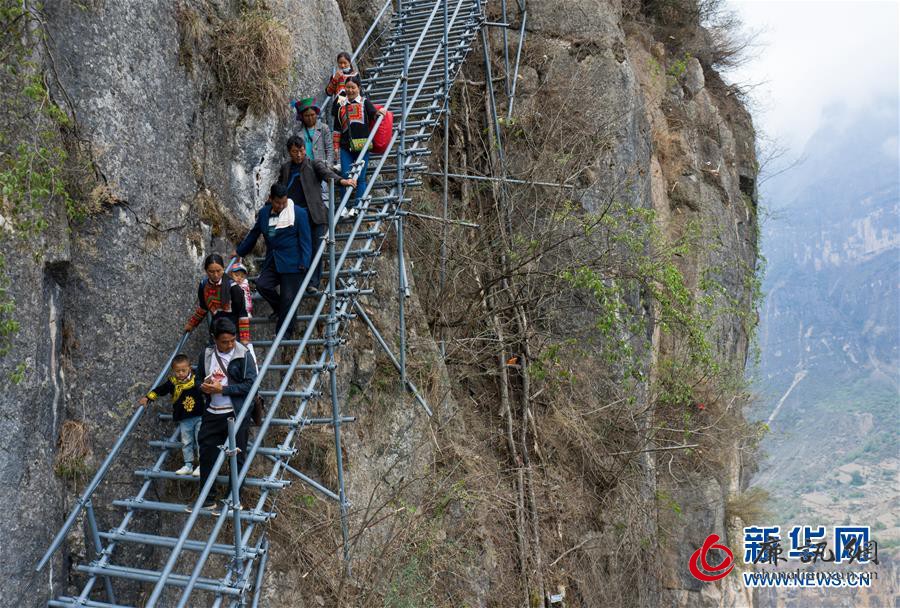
(255, 482)
(311, 367)
(310, 342)
(151, 576)
(308, 421)
(154, 540)
(370, 234)
(73, 602)
(409, 167)
(172, 507)
(363, 253)
(408, 182)
(458, 49)
(291, 394)
(267, 320)
(176, 445)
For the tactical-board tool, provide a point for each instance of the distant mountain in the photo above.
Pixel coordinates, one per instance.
(830, 328)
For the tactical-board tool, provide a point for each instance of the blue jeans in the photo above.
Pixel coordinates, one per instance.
(190, 431)
(347, 160)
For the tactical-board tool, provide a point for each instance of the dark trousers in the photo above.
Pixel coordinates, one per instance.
(317, 231)
(213, 433)
(279, 289)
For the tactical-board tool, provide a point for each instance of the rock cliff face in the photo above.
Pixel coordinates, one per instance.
(106, 298)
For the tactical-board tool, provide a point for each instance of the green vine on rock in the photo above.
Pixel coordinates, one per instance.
(35, 164)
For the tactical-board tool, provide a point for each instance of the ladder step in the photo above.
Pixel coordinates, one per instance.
(139, 538)
(267, 320)
(410, 167)
(292, 394)
(418, 69)
(370, 234)
(323, 318)
(176, 445)
(299, 367)
(310, 342)
(363, 253)
(152, 576)
(72, 602)
(372, 217)
(256, 482)
(172, 507)
(409, 182)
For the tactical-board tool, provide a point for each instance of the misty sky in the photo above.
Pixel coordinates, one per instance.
(812, 54)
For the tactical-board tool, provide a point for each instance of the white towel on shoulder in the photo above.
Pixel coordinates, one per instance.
(284, 219)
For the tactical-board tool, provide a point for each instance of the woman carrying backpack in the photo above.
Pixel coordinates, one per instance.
(221, 297)
(355, 117)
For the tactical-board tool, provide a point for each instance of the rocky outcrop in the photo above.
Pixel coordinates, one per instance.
(98, 315)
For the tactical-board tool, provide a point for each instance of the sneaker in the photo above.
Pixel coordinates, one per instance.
(196, 472)
(185, 470)
(211, 504)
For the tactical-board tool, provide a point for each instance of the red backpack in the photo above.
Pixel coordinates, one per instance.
(383, 135)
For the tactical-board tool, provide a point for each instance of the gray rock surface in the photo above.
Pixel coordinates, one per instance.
(98, 323)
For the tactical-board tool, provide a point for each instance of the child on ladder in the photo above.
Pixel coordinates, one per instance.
(187, 407)
(238, 274)
(335, 87)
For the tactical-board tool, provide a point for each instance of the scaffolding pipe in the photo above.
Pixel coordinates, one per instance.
(512, 94)
(505, 46)
(508, 180)
(332, 379)
(445, 233)
(401, 269)
(384, 346)
(236, 506)
(307, 479)
(260, 572)
(98, 548)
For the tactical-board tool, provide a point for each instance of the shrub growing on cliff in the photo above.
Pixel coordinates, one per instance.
(251, 57)
(73, 451)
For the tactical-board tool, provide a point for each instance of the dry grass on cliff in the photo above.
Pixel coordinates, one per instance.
(73, 450)
(251, 57)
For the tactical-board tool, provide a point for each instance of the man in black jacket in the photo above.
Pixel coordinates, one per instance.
(303, 179)
(228, 371)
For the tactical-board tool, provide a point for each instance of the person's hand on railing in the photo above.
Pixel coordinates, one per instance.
(142, 401)
(349, 182)
(381, 111)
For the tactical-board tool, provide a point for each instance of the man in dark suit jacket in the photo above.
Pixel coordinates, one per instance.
(285, 228)
(303, 177)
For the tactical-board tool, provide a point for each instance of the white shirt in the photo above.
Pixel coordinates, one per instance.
(220, 404)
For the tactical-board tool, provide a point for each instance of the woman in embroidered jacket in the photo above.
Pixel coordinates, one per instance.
(221, 297)
(355, 117)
